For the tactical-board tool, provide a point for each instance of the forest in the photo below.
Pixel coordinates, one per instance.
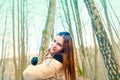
(28, 26)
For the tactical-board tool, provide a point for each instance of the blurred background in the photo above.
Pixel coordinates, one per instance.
(27, 28)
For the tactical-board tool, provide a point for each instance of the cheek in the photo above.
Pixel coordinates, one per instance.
(60, 48)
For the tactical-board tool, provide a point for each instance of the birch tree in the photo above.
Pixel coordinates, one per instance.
(48, 28)
(103, 41)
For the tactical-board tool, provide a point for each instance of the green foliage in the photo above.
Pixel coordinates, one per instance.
(80, 71)
(44, 31)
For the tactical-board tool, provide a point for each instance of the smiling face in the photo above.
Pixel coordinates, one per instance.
(57, 44)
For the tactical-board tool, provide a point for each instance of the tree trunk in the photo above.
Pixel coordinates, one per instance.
(103, 41)
(48, 28)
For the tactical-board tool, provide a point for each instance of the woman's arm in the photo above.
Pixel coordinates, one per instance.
(45, 70)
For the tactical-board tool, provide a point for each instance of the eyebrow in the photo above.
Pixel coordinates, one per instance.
(58, 42)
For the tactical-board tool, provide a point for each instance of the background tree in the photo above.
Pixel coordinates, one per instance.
(47, 32)
(103, 41)
(27, 27)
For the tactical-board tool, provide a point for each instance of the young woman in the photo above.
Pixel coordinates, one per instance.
(58, 62)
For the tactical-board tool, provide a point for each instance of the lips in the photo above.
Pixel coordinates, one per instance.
(53, 49)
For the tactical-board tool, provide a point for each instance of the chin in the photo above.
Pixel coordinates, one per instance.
(51, 51)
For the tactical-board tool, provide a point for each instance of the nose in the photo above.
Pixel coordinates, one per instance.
(54, 45)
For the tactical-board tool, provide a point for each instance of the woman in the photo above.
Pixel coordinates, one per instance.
(58, 62)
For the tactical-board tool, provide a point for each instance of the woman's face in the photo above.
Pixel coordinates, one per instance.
(57, 44)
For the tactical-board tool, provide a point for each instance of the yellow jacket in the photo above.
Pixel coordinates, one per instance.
(49, 68)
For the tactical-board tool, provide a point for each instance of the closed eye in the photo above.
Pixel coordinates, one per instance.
(59, 44)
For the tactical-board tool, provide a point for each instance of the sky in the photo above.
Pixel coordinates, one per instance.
(37, 11)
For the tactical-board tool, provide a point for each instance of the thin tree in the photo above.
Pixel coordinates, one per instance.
(48, 28)
(96, 56)
(80, 37)
(13, 36)
(23, 36)
(3, 54)
(18, 37)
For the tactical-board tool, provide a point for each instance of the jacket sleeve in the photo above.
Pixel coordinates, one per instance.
(45, 70)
